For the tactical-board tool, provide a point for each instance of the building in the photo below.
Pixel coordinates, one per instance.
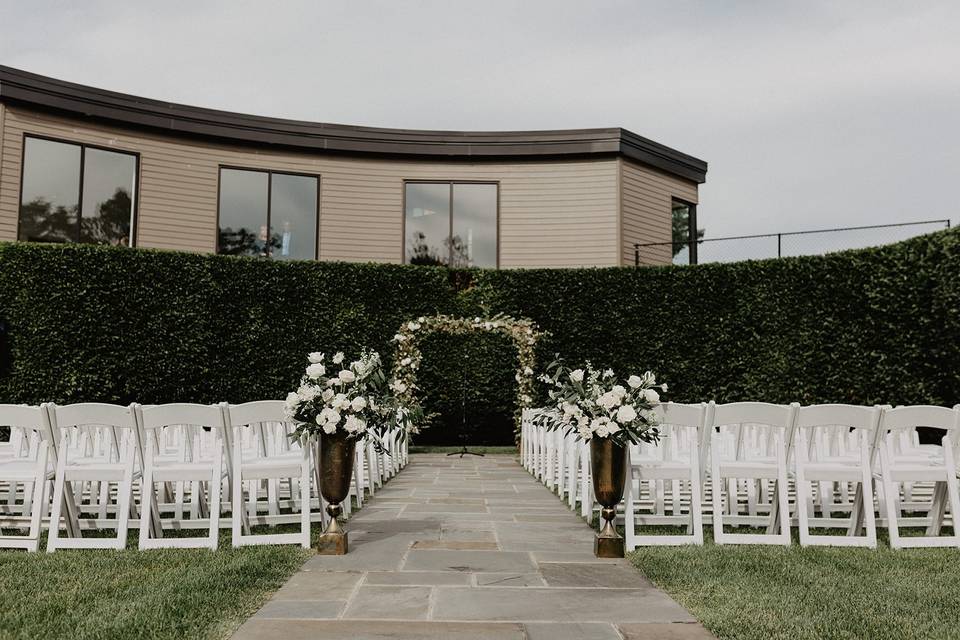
(81, 164)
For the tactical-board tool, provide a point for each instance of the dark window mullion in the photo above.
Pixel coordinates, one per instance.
(268, 248)
(450, 232)
(83, 163)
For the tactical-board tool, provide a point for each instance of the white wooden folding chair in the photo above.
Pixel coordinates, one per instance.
(934, 466)
(110, 459)
(677, 463)
(279, 464)
(200, 427)
(27, 470)
(833, 448)
(751, 446)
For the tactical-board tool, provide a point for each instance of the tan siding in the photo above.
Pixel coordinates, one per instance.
(646, 196)
(552, 214)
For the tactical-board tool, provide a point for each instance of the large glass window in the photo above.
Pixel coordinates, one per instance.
(268, 214)
(451, 224)
(685, 232)
(77, 193)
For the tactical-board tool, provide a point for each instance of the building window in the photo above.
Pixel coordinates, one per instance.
(268, 214)
(685, 232)
(77, 193)
(451, 224)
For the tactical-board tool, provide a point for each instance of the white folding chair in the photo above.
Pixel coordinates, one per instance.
(109, 457)
(289, 464)
(935, 466)
(200, 428)
(26, 469)
(751, 446)
(676, 461)
(833, 448)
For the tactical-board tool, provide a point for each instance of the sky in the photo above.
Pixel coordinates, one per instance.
(810, 114)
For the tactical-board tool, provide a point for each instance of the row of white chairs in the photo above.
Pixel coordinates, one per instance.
(833, 468)
(97, 468)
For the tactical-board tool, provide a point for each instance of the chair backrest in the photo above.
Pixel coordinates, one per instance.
(837, 429)
(118, 420)
(682, 427)
(253, 412)
(32, 422)
(163, 415)
(759, 413)
(910, 417)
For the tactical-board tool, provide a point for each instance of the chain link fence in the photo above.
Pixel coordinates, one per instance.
(792, 243)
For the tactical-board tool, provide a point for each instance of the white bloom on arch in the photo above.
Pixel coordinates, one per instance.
(406, 362)
(527, 371)
(651, 396)
(413, 326)
(315, 357)
(626, 414)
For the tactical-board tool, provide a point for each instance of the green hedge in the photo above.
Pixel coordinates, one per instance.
(95, 323)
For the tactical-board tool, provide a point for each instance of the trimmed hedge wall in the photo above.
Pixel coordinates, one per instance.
(116, 325)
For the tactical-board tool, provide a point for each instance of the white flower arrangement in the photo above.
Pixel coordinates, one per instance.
(523, 332)
(355, 399)
(595, 404)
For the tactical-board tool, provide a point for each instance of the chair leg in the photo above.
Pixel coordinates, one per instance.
(890, 491)
(952, 489)
(124, 498)
(696, 497)
(147, 500)
(782, 497)
(716, 486)
(305, 501)
(215, 482)
(58, 497)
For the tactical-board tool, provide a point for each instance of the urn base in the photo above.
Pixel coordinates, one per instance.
(333, 543)
(605, 547)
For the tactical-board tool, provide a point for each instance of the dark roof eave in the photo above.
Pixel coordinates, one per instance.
(19, 87)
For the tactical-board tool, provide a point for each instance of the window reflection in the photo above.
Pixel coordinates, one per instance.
(461, 235)
(109, 183)
(293, 217)
(268, 214)
(51, 209)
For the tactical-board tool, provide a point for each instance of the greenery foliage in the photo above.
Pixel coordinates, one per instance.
(108, 324)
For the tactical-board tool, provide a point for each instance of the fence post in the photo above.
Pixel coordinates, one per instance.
(636, 256)
(779, 238)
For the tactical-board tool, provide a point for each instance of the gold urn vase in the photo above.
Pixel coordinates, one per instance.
(334, 469)
(608, 463)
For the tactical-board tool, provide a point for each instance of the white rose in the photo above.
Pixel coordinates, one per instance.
(399, 387)
(329, 429)
(635, 382)
(315, 357)
(293, 399)
(405, 362)
(346, 376)
(399, 337)
(330, 416)
(577, 375)
(626, 414)
(338, 357)
(413, 326)
(359, 403)
(618, 391)
(663, 387)
(327, 395)
(354, 424)
(316, 370)
(651, 396)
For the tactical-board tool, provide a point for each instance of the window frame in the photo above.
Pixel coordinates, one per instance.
(135, 200)
(692, 240)
(270, 173)
(450, 184)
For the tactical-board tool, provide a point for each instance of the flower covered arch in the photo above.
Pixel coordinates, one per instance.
(522, 331)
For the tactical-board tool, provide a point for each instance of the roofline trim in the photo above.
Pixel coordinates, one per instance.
(36, 91)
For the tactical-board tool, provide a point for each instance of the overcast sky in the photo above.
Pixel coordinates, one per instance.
(811, 114)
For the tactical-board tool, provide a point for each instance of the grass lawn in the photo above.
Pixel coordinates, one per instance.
(167, 593)
(766, 593)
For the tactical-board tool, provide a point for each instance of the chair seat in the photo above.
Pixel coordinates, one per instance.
(20, 470)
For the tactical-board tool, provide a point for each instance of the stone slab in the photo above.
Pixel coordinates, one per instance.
(509, 580)
(610, 576)
(571, 631)
(302, 609)
(393, 603)
(319, 585)
(418, 578)
(456, 545)
(557, 605)
(676, 631)
(255, 629)
(469, 561)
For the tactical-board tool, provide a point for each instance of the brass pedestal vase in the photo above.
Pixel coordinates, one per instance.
(335, 469)
(608, 464)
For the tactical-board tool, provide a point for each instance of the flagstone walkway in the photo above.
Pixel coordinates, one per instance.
(469, 549)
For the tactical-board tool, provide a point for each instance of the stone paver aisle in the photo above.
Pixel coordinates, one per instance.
(470, 548)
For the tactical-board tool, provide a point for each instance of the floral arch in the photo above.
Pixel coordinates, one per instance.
(522, 331)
